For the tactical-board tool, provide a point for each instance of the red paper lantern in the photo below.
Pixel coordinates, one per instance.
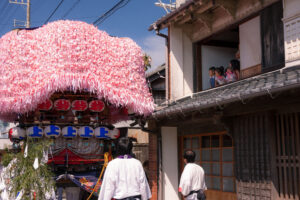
(62, 104)
(79, 105)
(47, 105)
(97, 106)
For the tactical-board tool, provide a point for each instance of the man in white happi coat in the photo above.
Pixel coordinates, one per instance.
(124, 177)
(192, 178)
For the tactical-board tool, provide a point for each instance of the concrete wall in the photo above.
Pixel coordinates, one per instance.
(214, 56)
(250, 43)
(169, 163)
(181, 64)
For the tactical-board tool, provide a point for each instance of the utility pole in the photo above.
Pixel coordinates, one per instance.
(27, 3)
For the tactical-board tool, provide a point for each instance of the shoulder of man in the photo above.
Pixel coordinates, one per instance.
(137, 162)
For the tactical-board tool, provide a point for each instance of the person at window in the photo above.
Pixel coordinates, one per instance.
(219, 78)
(192, 181)
(124, 178)
(211, 72)
(230, 75)
(235, 65)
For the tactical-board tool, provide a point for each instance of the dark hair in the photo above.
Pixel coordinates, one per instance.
(212, 68)
(220, 70)
(124, 146)
(146, 164)
(235, 64)
(189, 155)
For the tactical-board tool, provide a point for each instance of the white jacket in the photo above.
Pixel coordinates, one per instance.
(124, 178)
(192, 179)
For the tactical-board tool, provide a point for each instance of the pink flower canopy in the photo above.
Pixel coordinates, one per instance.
(70, 55)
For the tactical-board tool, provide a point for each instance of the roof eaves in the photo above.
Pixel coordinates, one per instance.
(158, 69)
(264, 84)
(170, 15)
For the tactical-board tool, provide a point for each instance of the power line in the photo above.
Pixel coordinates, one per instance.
(54, 11)
(111, 11)
(73, 6)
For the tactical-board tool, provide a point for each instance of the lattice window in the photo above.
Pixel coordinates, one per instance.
(292, 39)
(288, 156)
(214, 152)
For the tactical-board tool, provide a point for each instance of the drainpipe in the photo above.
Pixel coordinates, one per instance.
(160, 34)
(168, 96)
(159, 140)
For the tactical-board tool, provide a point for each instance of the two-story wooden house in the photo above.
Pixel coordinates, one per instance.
(245, 131)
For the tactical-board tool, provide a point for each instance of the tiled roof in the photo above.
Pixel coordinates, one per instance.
(157, 69)
(268, 83)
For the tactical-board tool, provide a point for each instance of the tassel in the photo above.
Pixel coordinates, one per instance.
(36, 163)
(45, 157)
(26, 151)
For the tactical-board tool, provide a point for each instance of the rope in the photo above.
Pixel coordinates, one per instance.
(103, 168)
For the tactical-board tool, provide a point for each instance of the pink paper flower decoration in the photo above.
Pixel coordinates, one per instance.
(74, 55)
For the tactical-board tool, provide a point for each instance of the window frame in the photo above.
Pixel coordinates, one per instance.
(200, 162)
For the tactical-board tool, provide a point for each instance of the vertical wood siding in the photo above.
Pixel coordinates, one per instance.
(287, 156)
(252, 154)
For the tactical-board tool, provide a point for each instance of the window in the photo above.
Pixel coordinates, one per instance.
(214, 152)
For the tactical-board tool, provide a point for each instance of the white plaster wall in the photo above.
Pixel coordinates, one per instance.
(291, 8)
(181, 64)
(214, 56)
(187, 65)
(250, 43)
(176, 63)
(169, 163)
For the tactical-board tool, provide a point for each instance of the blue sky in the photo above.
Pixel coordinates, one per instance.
(131, 21)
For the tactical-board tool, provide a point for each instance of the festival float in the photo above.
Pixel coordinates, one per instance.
(65, 85)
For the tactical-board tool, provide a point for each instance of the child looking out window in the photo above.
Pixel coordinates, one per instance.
(212, 76)
(220, 79)
(230, 75)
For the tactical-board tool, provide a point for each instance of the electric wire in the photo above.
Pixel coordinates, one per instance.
(111, 11)
(72, 7)
(54, 11)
